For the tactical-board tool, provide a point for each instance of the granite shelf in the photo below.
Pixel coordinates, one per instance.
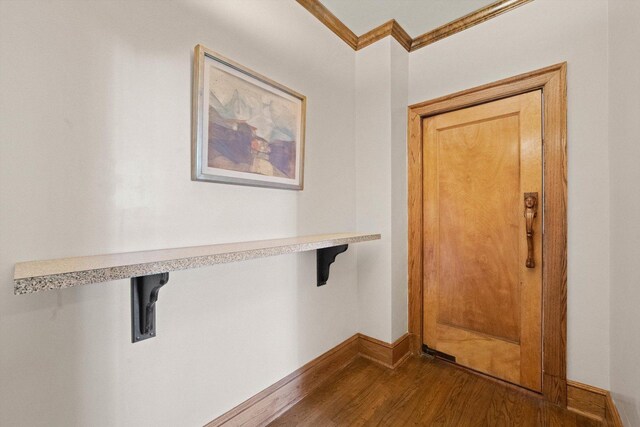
(38, 276)
(149, 270)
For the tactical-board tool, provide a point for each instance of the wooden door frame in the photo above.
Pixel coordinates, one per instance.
(552, 81)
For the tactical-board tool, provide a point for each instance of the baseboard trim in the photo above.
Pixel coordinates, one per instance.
(586, 400)
(389, 355)
(592, 402)
(277, 398)
(611, 414)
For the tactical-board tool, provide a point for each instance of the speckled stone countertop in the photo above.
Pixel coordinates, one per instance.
(37, 276)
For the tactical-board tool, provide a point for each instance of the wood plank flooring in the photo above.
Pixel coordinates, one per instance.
(421, 392)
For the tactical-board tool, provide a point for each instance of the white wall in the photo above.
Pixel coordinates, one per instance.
(373, 185)
(95, 158)
(624, 151)
(538, 34)
(381, 196)
(398, 161)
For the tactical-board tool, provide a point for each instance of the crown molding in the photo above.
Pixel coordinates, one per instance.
(325, 16)
(467, 21)
(392, 28)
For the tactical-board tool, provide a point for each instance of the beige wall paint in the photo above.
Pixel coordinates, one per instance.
(624, 150)
(535, 35)
(95, 102)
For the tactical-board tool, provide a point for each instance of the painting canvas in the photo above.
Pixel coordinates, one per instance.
(247, 129)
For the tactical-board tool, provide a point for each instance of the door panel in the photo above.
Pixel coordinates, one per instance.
(479, 216)
(482, 304)
(480, 352)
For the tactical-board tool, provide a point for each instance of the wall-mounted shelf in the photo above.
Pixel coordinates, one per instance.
(149, 270)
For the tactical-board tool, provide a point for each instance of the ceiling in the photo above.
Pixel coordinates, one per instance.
(415, 16)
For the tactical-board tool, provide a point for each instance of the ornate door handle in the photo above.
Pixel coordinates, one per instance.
(530, 212)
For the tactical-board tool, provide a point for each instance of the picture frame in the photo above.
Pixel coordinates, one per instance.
(246, 128)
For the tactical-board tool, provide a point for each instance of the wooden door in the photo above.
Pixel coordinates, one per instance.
(482, 303)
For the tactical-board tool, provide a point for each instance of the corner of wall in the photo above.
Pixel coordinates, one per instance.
(624, 151)
(381, 187)
(399, 81)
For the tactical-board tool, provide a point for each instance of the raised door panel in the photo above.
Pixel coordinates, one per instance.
(482, 304)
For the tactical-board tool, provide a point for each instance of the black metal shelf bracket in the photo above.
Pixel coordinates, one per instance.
(144, 295)
(324, 258)
(145, 291)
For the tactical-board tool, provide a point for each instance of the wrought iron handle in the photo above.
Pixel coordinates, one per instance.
(530, 212)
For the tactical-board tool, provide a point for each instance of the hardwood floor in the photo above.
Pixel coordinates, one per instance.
(422, 391)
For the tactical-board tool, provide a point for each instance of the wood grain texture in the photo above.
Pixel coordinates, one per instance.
(401, 349)
(375, 34)
(266, 405)
(389, 28)
(422, 391)
(592, 402)
(482, 304)
(586, 400)
(483, 353)
(611, 415)
(467, 21)
(398, 33)
(392, 28)
(554, 271)
(325, 16)
(389, 355)
(530, 279)
(552, 81)
(478, 199)
(504, 88)
(414, 237)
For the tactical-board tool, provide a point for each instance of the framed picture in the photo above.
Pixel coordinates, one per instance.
(246, 128)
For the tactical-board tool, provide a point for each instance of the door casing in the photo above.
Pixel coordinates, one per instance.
(552, 81)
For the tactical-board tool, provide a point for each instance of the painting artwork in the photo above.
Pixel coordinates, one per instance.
(247, 129)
